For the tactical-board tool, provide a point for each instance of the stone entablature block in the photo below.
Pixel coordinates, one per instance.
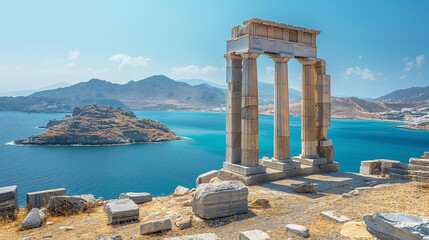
(261, 36)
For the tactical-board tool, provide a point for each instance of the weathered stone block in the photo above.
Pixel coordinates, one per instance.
(326, 152)
(330, 167)
(180, 191)
(303, 187)
(66, 204)
(206, 177)
(245, 170)
(220, 199)
(137, 198)
(155, 226)
(333, 216)
(397, 226)
(122, 210)
(254, 235)
(203, 236)
(41, 198)
(32, 220)
(298, 229)
(8, 200)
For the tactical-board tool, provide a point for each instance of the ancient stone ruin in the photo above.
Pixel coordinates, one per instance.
(280, 42)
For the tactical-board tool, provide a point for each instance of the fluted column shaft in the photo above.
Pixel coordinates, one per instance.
(281, 109)
(233, 108)
(308, 105)
(249, 112)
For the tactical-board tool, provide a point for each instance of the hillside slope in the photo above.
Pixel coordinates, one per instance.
(414, 94)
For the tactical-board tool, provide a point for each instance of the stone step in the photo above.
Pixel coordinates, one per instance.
(400, 176)
(400, 171)
(418, 161)
(410, 166)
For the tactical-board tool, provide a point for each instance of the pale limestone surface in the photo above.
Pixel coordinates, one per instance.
(122, 210)
(203, 236)
(155, 226)
(137, 198)
(220, 199)
(254, 235)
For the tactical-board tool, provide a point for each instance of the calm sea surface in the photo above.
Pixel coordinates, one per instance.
(158, 168)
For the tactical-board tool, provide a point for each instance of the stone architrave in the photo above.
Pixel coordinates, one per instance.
(122, 210)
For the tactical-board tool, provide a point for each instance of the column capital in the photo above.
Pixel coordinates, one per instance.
(307, 61)
(279, 59)
(232, 56)
(250, 55)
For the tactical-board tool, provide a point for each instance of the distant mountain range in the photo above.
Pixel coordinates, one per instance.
(154, 93)
(162, 93)
(414, 94)
(28, 92)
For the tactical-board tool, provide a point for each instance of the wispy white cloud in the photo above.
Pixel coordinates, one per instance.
(73, 55)
(364, 73)
(410, 64)
(127, 60)
(192, 69)
(404, 76)
(69, 65)
(420, 60)
(269, 70)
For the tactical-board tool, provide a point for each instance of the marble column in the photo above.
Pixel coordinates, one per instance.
(233, 108)
(308, 105)
(281, 110)
(249, 112)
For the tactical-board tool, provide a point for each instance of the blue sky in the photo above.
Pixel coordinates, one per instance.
(371, 47)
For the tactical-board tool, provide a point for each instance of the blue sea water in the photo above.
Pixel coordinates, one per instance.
(158, 168)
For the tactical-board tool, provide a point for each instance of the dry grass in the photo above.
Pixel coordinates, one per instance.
(285, 208)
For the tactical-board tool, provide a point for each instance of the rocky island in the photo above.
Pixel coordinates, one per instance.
(100, 125)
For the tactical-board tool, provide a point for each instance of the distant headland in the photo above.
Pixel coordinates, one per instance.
(100, 125)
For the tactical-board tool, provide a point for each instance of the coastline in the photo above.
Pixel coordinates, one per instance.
(12, 143)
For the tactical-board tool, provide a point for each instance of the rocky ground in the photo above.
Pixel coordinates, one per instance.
(348, 194)
(98, 125)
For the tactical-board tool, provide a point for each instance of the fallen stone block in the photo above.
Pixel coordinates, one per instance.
(41, 198)
(42, 213)
(203, 236)
(138, 198)
(122, 210)
(8, 201)
(261, 203)
(180, 191)
(398, 226)
(183, 222)
(303, 187)
(89, 199)
(116, 237)
(32, 220)
(63, 205)
(155, 226)
(298, 229)
(206, 177)
(254, 235)
(333, 216)
(220, 199)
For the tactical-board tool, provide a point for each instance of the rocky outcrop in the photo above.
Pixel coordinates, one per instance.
(397, 226)
(99, 125)
(32, 220)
